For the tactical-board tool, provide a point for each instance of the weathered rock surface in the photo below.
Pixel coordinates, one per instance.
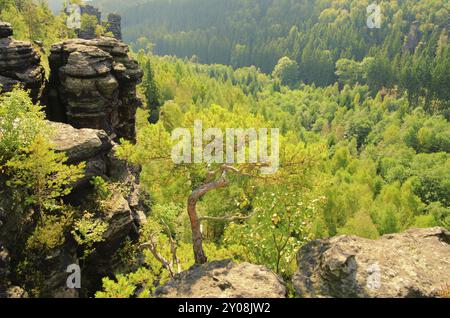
(128, 175)
(114, 25)
(89, 33)
(93, 85)
(54, 268)
(6, 30)
(19, 64)
(411, 264)
(224, 279)
(123, 213)
(79, 144)
(96, 149)
(86, 145)
(91, 102)
(6, 289)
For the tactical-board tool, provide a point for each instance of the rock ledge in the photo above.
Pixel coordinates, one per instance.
(224, 279)
(415, 263)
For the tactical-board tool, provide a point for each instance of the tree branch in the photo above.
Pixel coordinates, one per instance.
(173, 248)
(152, 246)
(225, 218)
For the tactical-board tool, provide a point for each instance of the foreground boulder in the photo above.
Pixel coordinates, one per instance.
(19, 64)
(411, 264)
(93, 85)
(224, 279)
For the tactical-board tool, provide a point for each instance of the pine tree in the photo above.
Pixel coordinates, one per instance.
(152, 93)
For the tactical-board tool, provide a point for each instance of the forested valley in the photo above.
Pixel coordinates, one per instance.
(314, 35)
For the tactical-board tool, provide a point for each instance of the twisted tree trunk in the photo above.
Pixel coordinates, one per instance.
(197, 240)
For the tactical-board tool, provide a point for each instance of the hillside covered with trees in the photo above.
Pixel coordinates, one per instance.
(315, 35)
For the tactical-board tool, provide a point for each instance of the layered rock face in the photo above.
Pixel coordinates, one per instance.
(224, 279)
(91, 102)
(97, 150)
(83, 145)
(93, 85)
(123, 217)
(114, 25)
(19, 64)
(94, 12)
(5, 30)
(411, 264)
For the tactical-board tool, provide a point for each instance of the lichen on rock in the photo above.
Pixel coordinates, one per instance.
(411, 264)
(19, 64)
(224, 279)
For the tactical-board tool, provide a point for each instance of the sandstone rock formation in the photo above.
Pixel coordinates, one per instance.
(83, 145)
(125, 213)
(114, 25)
(224, 279)
(123, 216)
(411, 264)
(93, 85)
(89, 33)
(19, 64)
(95, 148)
(91, 102)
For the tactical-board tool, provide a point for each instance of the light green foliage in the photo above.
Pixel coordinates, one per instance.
(123, 288)
(362, 167)
(35, 178)
(364, 136)
(173, 216)
(87, 231)
(44, 173)
(49, 234)
(350, 72)
(101, 188)
(286, 71)
(38, 175)
(360, 225)
(88, 23)
(281, 224)
(21, 121)
(154, 274)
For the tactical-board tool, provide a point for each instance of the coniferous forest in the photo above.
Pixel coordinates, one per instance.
(363, 161)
